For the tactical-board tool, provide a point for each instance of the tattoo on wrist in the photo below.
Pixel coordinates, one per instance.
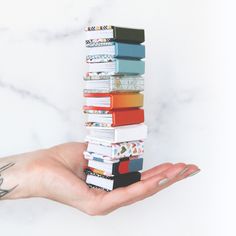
(4, 192)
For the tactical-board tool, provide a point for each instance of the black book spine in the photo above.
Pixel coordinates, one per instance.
(128, 35)
(126, 179)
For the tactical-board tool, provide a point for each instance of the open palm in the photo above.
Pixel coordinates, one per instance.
(61, 178)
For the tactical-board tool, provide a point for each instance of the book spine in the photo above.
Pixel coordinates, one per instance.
(129, 67)
(124, 50)
(126, 100)
(128, 35)
(128, 117)
(126, 179)
(127, 166)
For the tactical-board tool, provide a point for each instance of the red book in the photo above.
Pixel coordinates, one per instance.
(110, 101)
(114, 117)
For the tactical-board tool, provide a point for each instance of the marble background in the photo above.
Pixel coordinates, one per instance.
(42, 61)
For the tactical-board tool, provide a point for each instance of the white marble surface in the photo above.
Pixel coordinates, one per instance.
(41, 67)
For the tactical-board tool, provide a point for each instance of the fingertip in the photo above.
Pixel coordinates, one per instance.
(194, 166)
(193, 169)
(189, 170)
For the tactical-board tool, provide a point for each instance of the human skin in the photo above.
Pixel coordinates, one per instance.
(57, 174)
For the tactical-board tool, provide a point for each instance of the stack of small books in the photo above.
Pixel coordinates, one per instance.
(113, 101)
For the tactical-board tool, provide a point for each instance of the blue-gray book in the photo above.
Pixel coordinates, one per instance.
(118, 66)
(116, 50)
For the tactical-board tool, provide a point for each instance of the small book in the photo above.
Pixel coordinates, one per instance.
(117, 134)
(116, 50)
(109, 183)
(109, 33)
(113, 151)
(99, 157)
(109, 84)
(125, 165)
(109, 101)
(118, 66)
(116, 118)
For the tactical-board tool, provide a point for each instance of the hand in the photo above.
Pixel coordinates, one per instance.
(57, 174)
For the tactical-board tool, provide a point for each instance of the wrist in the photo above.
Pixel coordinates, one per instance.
(18, 176)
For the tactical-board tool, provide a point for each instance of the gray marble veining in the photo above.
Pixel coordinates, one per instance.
(42, 62)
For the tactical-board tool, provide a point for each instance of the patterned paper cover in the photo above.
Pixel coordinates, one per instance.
(100, 58)
(120, 84)
(99, 27)
(96, 112)
(96, 124)
(106, 159)
(88, 171)
(96, 187)
(124, 149)
(99, 76)
(101, 41)
(98, 42)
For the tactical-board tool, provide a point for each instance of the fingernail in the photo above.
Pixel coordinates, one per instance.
(194, 173)
(163, 181)
(183, 171)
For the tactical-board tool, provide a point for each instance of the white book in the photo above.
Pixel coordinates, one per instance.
(100, 118)
(98, 101)
(105, 150)
(114, 83)
(100, 182)
(118, 66)
(104, 67)
(103, 166)
(105, 34)
(117, 134)
(105, 50)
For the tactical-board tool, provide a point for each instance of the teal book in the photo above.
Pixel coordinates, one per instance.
(118, 66)
(116, 50)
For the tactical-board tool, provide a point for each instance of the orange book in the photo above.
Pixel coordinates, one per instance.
(115, 117)
(110, 101)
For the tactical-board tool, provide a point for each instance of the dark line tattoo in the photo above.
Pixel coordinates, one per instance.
(4, 192)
